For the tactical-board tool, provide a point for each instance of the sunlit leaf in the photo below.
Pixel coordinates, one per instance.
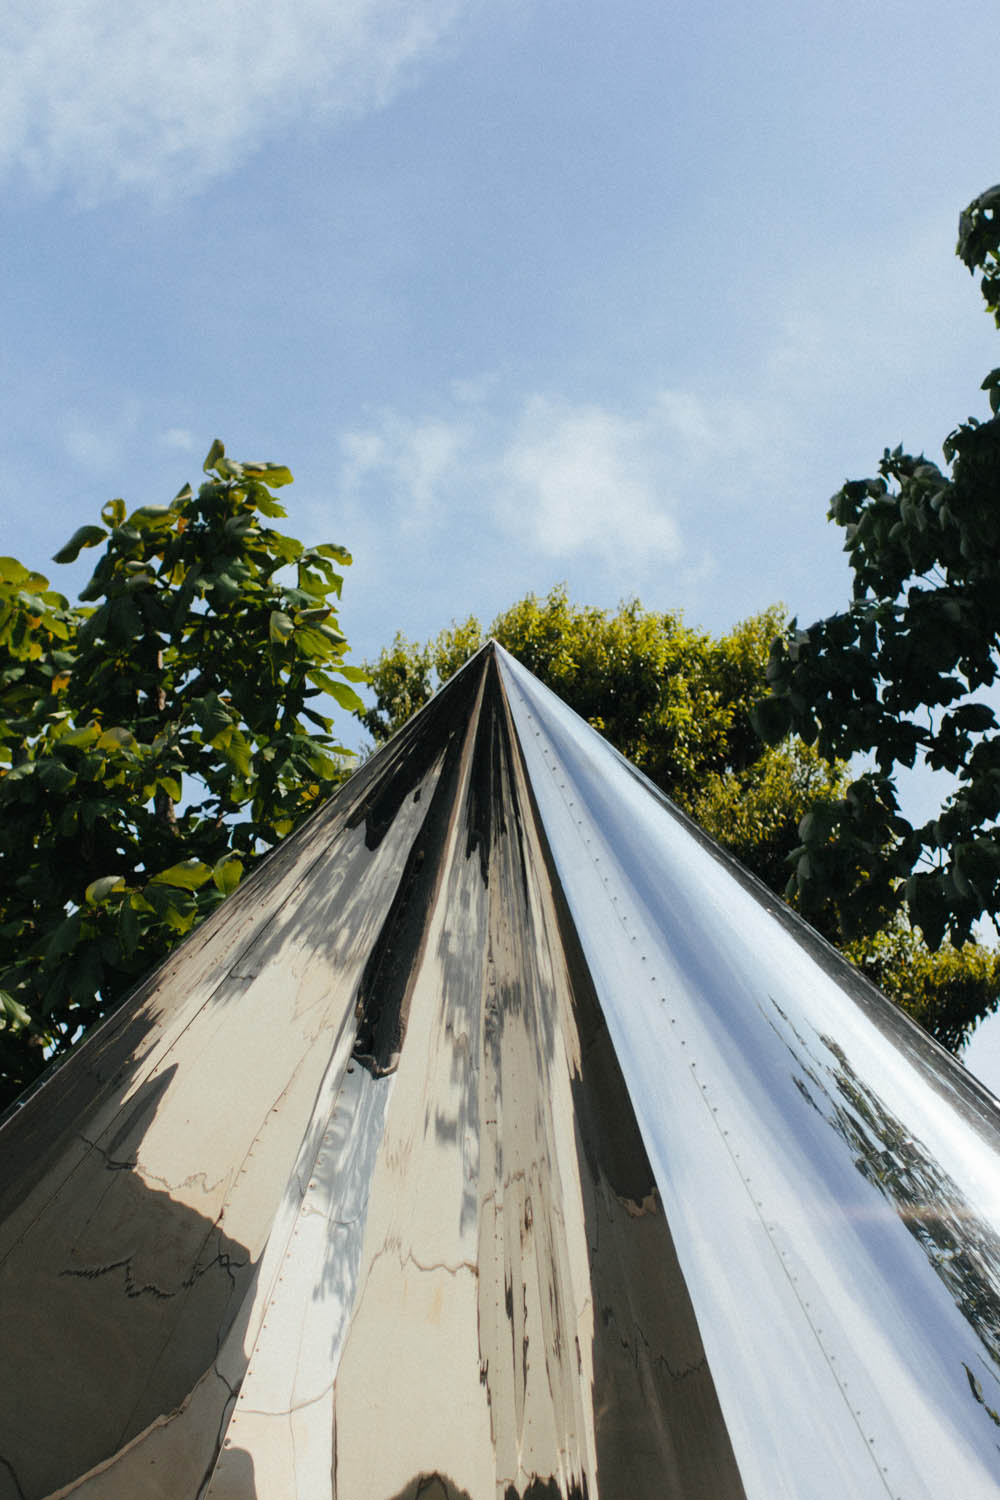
(280, 626)
(189, 875)
(13, 1016)
(227, 874)
(116, 738)
(114, 512)
(339, 554)
(273, 475)
(99, 890)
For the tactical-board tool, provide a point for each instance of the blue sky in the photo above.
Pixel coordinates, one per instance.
(522, 292)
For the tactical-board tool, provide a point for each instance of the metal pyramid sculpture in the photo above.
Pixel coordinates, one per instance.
(501, 1140)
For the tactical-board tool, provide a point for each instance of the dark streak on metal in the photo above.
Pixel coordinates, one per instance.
(548, 1489)
(410, 754)
(223, 1261)
(382, 1002)
(486, 801)
(434, 1486)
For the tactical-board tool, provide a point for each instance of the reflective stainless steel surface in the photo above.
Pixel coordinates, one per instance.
(501, 1139)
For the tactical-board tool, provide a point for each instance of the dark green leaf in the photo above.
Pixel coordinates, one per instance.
(84, 536)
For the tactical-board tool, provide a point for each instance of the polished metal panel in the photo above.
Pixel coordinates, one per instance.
(501, 1138)
(830, 1176)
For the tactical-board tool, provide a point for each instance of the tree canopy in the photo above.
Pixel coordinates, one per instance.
(674, 699)
(679, 703)
(907, 673)
(154, 739)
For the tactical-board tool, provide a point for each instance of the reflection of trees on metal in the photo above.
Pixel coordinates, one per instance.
(501, 1140)
(963, 1249)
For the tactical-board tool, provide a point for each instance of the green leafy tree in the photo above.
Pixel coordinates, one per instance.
(906, 674)
(947, 991)
(154, 740)
(679, 703)
(903, 673)
(675, 700)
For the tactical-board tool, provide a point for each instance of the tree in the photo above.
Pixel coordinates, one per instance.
(679, 704)
(154, 740)
(673, 699)
(905, 672)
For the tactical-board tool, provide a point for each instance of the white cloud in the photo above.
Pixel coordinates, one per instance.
(178, 438)
(574, 482)
(98, 445)
(585, 477)
(108, 95)
(412, 464)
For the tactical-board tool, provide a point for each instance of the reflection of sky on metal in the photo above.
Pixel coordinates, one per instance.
(982, 1053)
(501, 1137)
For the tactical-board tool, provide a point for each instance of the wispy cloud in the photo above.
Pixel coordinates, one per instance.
(570, 480)
(106, 96)
(97, 445)
(178, 438)
(580, 477)
(410, 465)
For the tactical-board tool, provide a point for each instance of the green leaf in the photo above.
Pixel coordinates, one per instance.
(771, 719)
(63, 938)
(236, 750)
(189, 875)
(268, 506)
(280, 626)
(13, 571)
(346, 697)
(128, 928)
(273, 475)
(287, 548)
(173, 906)
(216, 452)
(54, 775)
(330, 549)
(85, 536)
(227, 874)
(116, 739)
(212, 715)
(225, 589)
(321, 721)
(88, 735)
(310, 641)
(114, 512)
(150, 516)
(13, 1016)
(99, 890)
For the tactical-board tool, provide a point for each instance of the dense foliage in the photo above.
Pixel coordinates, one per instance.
(154, 739)
(906, 673)
(675, 700)
(678, 703)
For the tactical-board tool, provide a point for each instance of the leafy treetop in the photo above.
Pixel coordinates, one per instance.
(154, 740)
(675, 700)
(907, 672)
(678, 702)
